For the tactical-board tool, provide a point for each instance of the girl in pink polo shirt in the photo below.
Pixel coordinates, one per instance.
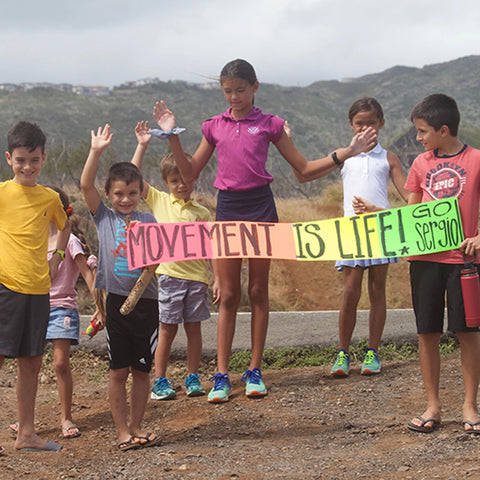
(242, 136)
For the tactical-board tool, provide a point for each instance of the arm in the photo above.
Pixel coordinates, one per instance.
(100, 141)
(89, 278)
(306, 171)
(397, 176)
(61, 244)
(143, 139)
(188, 170)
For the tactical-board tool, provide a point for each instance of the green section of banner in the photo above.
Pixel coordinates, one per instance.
(412, 230)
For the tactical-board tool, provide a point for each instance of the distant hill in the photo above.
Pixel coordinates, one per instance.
(317, 114)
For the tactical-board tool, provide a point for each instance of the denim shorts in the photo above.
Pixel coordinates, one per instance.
(64, 323)
(182, 300)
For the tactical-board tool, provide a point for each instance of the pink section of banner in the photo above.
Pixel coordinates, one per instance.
(151, 243)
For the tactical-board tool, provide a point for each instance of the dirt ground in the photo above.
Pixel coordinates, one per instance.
(310, 426)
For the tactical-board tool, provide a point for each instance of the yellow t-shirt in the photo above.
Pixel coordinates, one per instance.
(25, 215)
(166, 208)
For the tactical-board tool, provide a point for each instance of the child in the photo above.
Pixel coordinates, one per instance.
(366, 175)
(449, 168)
(182, 286)
(26, 210)
(242, 136)
(132, 338)
(64, 325)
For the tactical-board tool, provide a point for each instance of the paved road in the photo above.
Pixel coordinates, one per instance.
(287, 329)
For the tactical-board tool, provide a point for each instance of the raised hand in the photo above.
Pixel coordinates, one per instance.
(165, 118)
(361, 205)
(141, 131)
(364, 141)
(102, 139)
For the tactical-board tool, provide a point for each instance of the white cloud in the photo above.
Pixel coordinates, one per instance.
(296, 43)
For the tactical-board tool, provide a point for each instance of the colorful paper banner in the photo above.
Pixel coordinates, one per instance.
(411, 230)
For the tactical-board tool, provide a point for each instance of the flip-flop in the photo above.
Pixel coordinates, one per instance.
(128, 445)
(422, 428)
(49, 447)
(473, 430)
(1, 449)
(68, 435)
(13, 428)
(150, 442)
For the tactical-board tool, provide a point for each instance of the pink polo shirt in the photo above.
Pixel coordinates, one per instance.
(242, 148)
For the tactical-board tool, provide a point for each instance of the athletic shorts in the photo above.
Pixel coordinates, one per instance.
(182, 300)
(255, 205)
(369, 262)
(64, 323)
(132, 338)
(430, 281)
(23, 323)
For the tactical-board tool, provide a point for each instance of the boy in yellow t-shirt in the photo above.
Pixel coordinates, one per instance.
(182, 286)
(26, 210)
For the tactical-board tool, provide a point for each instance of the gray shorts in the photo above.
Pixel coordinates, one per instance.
(182, 300)
(23, 323)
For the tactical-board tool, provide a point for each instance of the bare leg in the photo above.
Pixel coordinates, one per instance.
(63, 372)
(193, 330)
(28, 369)
(258, 295)
(166, 336)
(352, 285)
(228, 272)
(377, 278)
(429, 353)
(117, 394)
(470, 346)
(138, 401)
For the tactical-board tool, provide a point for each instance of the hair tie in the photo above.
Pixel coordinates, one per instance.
(69, 211)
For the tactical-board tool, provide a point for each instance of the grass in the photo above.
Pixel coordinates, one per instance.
(321, 356)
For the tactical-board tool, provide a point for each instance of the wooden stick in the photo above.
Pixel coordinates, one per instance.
(140, 285)
(138, 289)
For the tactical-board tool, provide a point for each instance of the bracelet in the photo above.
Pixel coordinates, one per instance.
(156, 132)
(338, 163)
(60, 252)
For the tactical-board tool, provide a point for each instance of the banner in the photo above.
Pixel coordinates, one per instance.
(412, 230)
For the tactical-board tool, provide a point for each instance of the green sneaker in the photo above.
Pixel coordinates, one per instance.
(162, 389)
(221, 388)
(371, 363)
(341, 367)
(194, 387)
(254, 386)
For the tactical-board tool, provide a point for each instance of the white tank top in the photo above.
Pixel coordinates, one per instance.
(366, 175)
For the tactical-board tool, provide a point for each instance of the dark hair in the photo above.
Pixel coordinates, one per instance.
(169, 167)
(125, 171)
(74, 220)
(239, 69)
(26, 134)
(365, 104)
(438, 110)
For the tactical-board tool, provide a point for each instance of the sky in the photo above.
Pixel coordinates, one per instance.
(295, 43)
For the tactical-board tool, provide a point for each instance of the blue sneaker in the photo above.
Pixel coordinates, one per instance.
(371, 363)
(254, 386)
(194, 387)
(162, 389)
(341, 367)
(221, 388)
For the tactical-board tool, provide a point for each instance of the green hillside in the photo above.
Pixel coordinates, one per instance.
(317, 114)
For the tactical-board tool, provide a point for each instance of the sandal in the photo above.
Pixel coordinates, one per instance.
(67, 431)
(129, 444)
(147, 441)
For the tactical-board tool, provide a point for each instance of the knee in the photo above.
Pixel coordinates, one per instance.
(258, 294)
(230, 298)
(61, 367)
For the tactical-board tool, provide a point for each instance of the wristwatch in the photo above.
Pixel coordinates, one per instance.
(60, 252)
